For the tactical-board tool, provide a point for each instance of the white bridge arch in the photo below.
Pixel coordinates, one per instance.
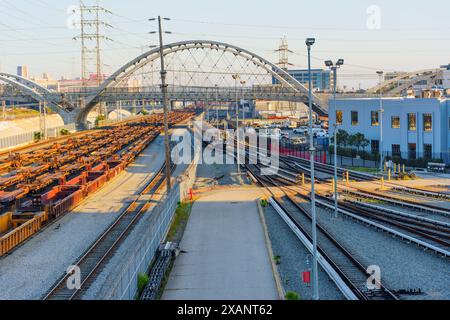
(118, 77)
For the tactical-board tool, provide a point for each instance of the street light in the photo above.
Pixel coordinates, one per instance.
(380, 75)
(217, 105)
(236, 78)
(243, 82)
(334, 68)
(309, 43)
(163, 73)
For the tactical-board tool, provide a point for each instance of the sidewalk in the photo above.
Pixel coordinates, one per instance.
(224, 251)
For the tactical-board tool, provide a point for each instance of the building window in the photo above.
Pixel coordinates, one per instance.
(412, 122)
(354, 118)
(427, 151)
(396, 150)
(339, 117)
(374, 119)
(395, 122)
(412, 151)
(375, 146)
(427, 122)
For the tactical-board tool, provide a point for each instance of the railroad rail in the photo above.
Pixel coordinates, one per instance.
(422, 230)
(348, 268)
(427, 233)
(60, 181)
(399, 202)
(92, 261)
(361, 176)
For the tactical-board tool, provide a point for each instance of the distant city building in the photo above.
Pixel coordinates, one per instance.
(321, 79)
(412, 128)
(47, 81)
(22, 71)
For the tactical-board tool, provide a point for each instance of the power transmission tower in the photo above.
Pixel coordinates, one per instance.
(284, 51)
(90, 38)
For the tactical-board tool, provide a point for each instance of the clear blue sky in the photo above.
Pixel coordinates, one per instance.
(414, 34)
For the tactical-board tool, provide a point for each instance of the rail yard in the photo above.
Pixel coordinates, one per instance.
(139, 165)
(39, 186)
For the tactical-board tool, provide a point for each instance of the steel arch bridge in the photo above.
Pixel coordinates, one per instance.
(406, 80)
(290, 89)
(37, 92)
(197, 70)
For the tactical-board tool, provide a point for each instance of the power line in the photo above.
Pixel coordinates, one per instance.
(90, 23)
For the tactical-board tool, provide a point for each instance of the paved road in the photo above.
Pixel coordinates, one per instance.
(225, 252)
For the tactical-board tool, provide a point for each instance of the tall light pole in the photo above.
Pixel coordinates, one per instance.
(163, 73)
(309, 43)
(207, 105)
(380, 75)
(217, 105)
(236, 78)
(243, 82)
(334, 68)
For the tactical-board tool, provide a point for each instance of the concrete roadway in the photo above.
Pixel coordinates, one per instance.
(224, 252)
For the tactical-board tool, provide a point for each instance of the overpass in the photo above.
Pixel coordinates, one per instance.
(405, 81)
(192, 80)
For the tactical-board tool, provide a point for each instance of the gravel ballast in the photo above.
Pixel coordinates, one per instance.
(293, 258)
(403, 265)
(30, 270)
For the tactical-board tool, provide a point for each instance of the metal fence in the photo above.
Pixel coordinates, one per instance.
(28, 137)
(122, 285)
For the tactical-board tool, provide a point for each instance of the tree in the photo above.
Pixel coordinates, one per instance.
(342, 137)
(359, 141)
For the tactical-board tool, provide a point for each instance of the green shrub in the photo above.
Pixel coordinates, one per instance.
(277, 260)
(264, 203)
(64, 132)
(99, 119)
(142, 282)
(37, 136)
(291, 295)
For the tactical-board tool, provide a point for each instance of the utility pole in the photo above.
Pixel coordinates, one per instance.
(217, 105)
(243, 82)
(334, 68)
(236, 78)
(207, 104)
(163, 73)
(309, 43)
(380, 75)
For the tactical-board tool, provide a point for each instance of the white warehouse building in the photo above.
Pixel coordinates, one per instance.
(412, 128)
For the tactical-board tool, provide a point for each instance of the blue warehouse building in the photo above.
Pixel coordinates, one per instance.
(321, 79)
(412, 128)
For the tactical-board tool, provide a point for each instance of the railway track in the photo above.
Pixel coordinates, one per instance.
(428, 233)
(360, 176)
(301, 166)
(352, 272)
(95, 258)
